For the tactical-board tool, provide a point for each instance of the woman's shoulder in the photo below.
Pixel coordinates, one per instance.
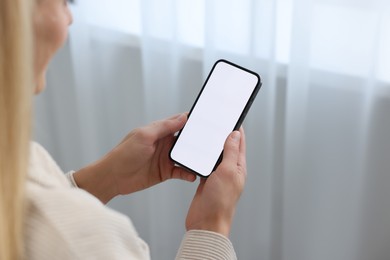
(43, 169)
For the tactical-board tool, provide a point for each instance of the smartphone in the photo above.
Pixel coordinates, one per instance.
(219, 109)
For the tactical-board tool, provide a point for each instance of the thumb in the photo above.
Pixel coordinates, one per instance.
(231, 150)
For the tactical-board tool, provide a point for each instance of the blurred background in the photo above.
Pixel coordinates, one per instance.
(318, 133)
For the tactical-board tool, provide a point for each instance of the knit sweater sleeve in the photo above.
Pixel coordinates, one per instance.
(196, 244)
(201, 244)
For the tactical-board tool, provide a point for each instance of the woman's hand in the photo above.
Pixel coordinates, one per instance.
(215, 200)
(141, 160)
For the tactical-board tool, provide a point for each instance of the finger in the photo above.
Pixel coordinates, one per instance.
(182, 174)
(242, 156)
(176, 116)
(163, 128)
(231, 150)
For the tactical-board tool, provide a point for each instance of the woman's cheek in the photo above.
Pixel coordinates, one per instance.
(57, 35)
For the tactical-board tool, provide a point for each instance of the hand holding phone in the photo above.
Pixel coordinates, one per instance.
(216, 198)
(220, 108)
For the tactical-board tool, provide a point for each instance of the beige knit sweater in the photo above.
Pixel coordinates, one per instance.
(64, 222)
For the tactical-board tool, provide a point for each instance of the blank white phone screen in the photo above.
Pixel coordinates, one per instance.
(214, 117)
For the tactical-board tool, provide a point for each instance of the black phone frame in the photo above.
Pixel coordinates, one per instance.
(240, 119)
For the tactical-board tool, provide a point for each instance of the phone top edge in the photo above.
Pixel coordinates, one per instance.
(258, 76)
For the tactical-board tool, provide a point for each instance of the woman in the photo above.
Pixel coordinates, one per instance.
(45, 215)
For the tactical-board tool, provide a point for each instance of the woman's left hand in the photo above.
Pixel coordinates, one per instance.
(140, 161)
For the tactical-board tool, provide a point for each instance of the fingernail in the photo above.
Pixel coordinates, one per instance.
(236, 136)
(180, 117)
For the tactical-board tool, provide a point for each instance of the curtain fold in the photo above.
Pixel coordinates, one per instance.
(318, 149)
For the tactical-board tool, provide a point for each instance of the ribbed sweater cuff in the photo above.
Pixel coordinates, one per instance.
(69, 176)
(203, 245)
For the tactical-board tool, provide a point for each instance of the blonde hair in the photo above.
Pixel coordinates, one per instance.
(15, 115)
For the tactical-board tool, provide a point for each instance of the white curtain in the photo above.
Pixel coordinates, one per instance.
(318, 182)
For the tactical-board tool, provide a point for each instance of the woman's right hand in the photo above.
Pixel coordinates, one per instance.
(215, 200)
